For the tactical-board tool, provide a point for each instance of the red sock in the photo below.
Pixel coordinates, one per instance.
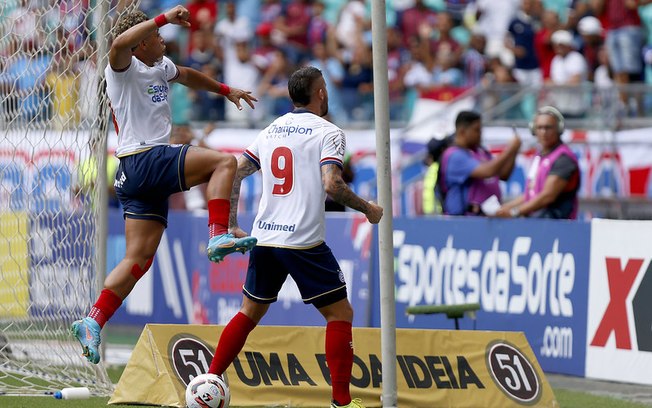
(339, 357)
(232, 340)
(218, 216)
(106, 305)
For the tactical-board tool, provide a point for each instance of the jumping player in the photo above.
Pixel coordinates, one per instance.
(300, 157)
(150, 170)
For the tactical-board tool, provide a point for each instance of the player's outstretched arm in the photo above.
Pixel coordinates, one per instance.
(245, 169)
(339, 191)
(121, 48)
(197, 80)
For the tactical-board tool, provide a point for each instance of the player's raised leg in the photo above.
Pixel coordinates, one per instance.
(219, 170)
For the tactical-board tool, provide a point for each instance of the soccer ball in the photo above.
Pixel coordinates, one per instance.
(207, 391)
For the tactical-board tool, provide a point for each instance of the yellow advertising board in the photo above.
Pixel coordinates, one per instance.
(286, 366)
(14, 264)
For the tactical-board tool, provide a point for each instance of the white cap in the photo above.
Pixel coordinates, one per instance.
(589, 25)
(562, 37)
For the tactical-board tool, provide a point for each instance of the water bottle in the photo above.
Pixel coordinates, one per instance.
(73, 393)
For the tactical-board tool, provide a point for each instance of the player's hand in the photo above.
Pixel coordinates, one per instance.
(238, 232)
(178, 15)
(374, 213)
(236, 94)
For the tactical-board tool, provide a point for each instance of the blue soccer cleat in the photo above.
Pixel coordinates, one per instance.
(87, 332)
(222, 245)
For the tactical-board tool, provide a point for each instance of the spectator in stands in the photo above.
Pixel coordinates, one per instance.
(493, 20)
(457, 8)
(293, 24)
(606, 96)
(591, 31)
(62, 81)
(446, 74)
(474, 62)
(333, 72)
(270, 10)
(554, 177)
(645, 13)
(624, 37)
(469, 174)
(357, 84)
(205, 57)
(397, 65)
(265, 50)
(500, 87)
(318, 27)
(350, 25)
(241, 71)
(231, 29)
(603, 77)
(88, 87)
(418, 73)
(520, 41)
(543, 45)
(273, 86)
(24, 24)
(25, 73)
(443, 40)
(413, 18)
(203, 16)
(568, 72)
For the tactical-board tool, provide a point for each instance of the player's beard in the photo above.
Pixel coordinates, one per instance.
(324, 108)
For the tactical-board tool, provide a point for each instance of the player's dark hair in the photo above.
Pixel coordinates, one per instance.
(466, 118)
(129, 20)
(301, 83)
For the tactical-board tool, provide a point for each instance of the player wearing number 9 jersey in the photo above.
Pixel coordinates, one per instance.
(300, 157)
(291, 211)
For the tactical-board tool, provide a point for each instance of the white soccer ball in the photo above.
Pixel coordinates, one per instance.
(207, 391)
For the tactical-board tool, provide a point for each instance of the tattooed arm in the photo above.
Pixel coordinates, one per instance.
(245, 169)
(339, 191)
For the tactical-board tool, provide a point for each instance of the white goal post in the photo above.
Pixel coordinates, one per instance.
(53, 128)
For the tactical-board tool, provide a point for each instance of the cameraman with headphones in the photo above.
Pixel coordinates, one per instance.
(554, 177)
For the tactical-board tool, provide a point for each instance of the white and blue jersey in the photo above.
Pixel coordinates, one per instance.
(139, 104)
(142, 118)
(290, 153)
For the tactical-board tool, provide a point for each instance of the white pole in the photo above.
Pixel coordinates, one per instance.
(384, 183)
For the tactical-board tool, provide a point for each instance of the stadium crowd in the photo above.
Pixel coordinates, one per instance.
(439, 48)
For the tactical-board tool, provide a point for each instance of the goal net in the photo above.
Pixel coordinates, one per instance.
(53, 128)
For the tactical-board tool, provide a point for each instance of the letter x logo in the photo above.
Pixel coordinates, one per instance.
(615, 317)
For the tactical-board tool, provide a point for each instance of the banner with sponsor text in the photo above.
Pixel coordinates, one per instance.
(527, 275)
(619, 339)
(286, 366)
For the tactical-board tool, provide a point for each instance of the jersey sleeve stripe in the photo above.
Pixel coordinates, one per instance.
(252, 157)
(175, 76)
(331, 160)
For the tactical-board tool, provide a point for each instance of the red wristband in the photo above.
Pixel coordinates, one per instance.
(160, 20)
(224, 89)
